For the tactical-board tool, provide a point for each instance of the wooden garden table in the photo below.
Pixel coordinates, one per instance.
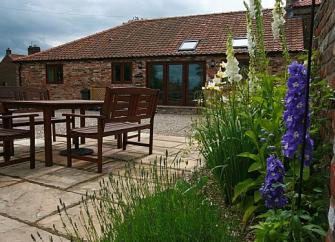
(48, 107)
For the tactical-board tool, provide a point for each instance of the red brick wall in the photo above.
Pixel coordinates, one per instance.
(97, 73)
(325, 32)
(326, 40)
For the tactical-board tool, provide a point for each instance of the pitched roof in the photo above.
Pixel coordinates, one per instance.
(162, 37)
(304, 3)
(15, 56)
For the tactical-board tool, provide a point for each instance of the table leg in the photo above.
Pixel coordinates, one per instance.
(47, 113)
(82, 124)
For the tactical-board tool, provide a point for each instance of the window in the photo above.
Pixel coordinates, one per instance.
(240, 43)
(188, 45)
(54, 73)
(121, 72)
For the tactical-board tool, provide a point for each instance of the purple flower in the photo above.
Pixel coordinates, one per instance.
(272, 190)
(293, 115)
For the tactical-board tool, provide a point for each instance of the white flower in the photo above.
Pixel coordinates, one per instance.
(252, 8)
(224, 99)
(232, 69)
(278, 22)
(213, 84)
(251, 42)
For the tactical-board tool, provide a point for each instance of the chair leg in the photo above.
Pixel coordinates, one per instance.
(119, 141)
(11, 151)
(68, 148)
(125, 138)
(100, 139)
(7, 149)
(151, 140)
(54, 132)
(32, 150)
(139, 136)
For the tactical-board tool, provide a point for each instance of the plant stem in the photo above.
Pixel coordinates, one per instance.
(304, 131)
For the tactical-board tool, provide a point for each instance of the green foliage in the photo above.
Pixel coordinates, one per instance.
(286, 225)
(159, 205)
(175, 214)
(221, 137)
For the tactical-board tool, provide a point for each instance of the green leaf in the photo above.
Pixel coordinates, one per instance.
(257, 196)
(317, 189)
(251, 134)
(242, 188)
(256, 166)
(182, 185)
(249, 155)
(315, 228)
(267, 124)
(306, 173)
(248, 212)
(296, 226)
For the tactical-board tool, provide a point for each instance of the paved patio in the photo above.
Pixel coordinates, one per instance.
(29, 198)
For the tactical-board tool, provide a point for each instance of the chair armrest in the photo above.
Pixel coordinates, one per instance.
(20, 115)
(83, 115)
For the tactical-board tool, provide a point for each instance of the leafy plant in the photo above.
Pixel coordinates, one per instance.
(159, 205)
(221, 136)
(287, 225)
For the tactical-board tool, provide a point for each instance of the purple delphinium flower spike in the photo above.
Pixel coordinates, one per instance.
(294, 113)
(272, 190)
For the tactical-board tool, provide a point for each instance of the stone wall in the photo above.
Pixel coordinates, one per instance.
(78, 75)
(325, 32)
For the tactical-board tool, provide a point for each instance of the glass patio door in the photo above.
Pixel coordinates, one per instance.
(179, 83)
(156, 80)
(195, 81)
(175, 84)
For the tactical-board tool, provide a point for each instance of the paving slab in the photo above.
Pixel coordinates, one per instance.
(65, 177)
(89, 187)
(177, 139)
(7, 180)
(22, 170)
(31, 202)
(77, 215)
(14, 231)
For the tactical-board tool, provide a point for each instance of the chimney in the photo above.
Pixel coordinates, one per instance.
(33, 49)
(8, 51)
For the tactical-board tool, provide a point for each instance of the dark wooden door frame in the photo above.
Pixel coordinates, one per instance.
(185, 80)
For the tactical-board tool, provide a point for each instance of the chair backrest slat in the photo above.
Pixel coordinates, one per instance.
(24, 93)
(129, 104)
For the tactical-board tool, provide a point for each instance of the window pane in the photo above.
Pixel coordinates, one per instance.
(117, 72)
(127, 72)
(156, 76)
(51, 74)
(175, 80)
(54, 73)
(195, 81)
(59, 74)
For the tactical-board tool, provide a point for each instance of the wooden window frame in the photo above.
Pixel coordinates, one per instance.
(55, 68)
(185, 83)
(122, 73)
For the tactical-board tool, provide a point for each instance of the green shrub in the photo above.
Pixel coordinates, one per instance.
(175, 214)
(221, 137)
(157, 205)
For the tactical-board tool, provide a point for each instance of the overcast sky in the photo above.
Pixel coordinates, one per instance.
(48, 23)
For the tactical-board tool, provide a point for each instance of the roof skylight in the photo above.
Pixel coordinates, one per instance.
(240, 42)
(188, 45)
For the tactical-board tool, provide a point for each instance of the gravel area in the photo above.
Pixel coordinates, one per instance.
(165, 124)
